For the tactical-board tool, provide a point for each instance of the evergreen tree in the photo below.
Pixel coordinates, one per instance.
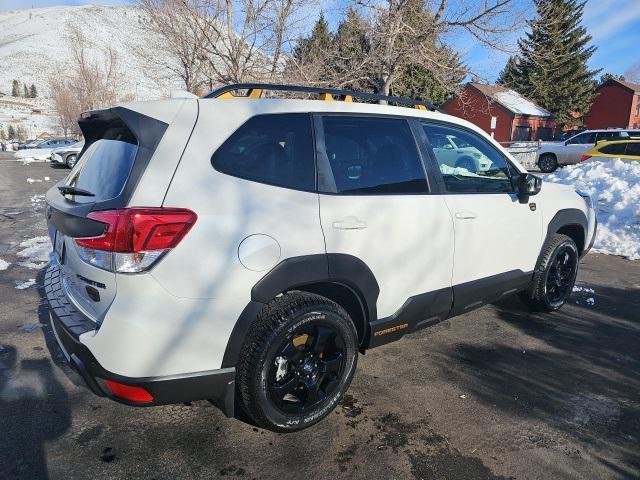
(552, 63)
(25, 90)
(510, 75)
(351, 47)
(3, 134)
(611, 76)
(33, 93)
(11, 133)
(15, 88)
(317, 44)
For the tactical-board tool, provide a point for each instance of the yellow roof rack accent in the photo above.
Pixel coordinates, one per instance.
(256, 90)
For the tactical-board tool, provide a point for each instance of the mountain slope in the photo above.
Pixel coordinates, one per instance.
(33, 45)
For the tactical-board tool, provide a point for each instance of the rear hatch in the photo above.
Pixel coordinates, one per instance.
(118, 146)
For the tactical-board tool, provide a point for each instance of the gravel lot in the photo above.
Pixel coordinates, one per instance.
(497, 393)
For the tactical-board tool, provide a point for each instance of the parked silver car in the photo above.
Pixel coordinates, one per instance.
(68, 155)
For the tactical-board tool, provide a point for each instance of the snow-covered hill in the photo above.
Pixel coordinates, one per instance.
(33, 45)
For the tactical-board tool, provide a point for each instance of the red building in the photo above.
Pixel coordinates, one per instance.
(615, 105)
(503, 113)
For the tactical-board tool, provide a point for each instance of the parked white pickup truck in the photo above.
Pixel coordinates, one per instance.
(552, 155)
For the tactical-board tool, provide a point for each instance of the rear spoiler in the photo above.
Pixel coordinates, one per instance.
(121, 124)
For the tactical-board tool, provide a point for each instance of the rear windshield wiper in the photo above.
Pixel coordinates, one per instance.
(69, 190)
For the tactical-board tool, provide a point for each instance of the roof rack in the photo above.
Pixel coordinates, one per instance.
(255, 90)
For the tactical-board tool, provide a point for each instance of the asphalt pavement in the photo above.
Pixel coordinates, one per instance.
(498, 393)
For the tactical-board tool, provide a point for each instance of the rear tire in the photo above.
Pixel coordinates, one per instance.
(554, 276)
(71, 160)
(296, 362)
(548, 163)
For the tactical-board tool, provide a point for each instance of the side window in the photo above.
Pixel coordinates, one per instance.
(607, 136)
(373, 155)
(474, 167)
(633, 148)
(274, 149)
(613, 149)
(583, 138)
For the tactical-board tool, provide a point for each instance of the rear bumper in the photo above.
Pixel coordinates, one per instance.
(217, 386)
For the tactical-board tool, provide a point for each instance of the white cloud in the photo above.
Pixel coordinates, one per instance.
(605, 22)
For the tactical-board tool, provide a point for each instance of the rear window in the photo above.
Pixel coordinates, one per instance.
(103, 169)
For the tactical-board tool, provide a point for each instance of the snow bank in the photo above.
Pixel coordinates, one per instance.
(35, 252)
(4, 264)
(615, 186)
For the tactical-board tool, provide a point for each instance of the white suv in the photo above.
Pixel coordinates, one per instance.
(245, 250)
(552, 155)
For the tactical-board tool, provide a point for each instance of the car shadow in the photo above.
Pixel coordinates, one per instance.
(581, 377)
(34, 405)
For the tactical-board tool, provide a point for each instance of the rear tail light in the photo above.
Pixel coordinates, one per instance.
(128, 392)
(584, 158)
(134, 238)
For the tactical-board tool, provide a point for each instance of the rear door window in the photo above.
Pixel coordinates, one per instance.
(104, 169)
(613, 149)
(274, 149)
(633, 148)
(372, 155)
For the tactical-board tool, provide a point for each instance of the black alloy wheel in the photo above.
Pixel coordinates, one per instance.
(306, 368)
(561, 274)
(296, 362)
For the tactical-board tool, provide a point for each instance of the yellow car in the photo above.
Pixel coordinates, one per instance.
(623, 149)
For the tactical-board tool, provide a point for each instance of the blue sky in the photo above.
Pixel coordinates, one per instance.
(614, 25)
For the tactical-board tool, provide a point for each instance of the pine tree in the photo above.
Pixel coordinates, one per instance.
(11, 132)
(318, 42)
(552, 63)
(3, 134)
(351, 47)
(25, 90)
(15, 88)
(33, 92)
(510, 74)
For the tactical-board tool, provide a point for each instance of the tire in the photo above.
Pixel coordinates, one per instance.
(554, 276)
(71, 160)
(296, 362)
(547, 163)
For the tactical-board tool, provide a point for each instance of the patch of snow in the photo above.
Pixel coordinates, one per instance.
(4, 264)
(33, 180)
(591, 301)
(518, 104)
(46, 179)
(577, 288)
(29, 155)
(30, 327)
(24, 284)
(35, 252)
(614, 186)
(36, 199)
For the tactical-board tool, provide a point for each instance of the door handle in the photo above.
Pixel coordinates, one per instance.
(466, 215)
(350, 223)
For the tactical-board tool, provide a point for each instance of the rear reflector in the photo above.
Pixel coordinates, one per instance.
(584, 158)
(128, 392)
(134, 238)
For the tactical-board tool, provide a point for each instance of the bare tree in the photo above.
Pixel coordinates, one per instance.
(173, 48)
(93, 80)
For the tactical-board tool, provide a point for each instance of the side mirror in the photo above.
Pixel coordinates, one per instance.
(527, 185)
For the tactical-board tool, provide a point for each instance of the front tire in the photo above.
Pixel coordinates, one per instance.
(554, 276)
(548, 163)
(297, 361)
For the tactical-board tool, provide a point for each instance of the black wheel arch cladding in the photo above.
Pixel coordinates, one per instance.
(307, 271)
(571, 222)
